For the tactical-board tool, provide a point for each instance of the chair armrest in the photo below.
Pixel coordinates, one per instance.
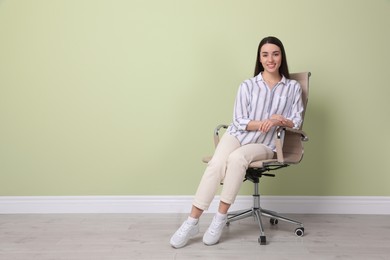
(280, 131)
(216, 133)
(289, 145)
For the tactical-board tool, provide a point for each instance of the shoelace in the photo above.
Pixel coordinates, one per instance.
(215, 226)
(184, 228)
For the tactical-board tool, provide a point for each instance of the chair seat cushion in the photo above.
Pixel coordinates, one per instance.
(255, 164)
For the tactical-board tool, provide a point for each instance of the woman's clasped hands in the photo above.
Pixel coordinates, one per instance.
(274, 120)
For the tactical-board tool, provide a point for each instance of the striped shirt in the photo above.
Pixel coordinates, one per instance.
(256, 101)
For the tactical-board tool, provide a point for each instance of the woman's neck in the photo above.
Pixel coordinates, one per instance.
(271, 78)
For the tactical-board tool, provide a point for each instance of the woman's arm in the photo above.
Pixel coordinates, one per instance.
(265, 125)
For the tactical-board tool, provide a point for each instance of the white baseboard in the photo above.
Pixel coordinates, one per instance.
(182, 204)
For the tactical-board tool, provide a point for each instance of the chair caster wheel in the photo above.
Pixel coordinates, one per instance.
(273, 221)
(227, 224)
(262, 240)
(299, 231)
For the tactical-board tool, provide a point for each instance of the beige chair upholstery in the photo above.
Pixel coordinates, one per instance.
(289, 150)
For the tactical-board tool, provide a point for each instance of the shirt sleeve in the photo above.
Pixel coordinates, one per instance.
(241, 106)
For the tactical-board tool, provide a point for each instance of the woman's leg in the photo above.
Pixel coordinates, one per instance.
(196, 212)
(209, 183)
(214, 174)
(237, 165)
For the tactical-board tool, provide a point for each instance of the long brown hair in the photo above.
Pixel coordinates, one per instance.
(283, 70)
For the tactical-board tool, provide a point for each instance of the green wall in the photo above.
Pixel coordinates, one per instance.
(121, 97)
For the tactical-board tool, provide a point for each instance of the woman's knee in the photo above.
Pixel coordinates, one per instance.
(238, 159)
(215, 168)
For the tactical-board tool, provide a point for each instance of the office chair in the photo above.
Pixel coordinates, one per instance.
(289, 150)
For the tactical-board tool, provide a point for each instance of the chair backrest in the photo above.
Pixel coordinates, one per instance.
(290, 147)
(303, 79)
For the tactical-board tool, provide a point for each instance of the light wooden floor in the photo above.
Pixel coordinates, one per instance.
(146, 236)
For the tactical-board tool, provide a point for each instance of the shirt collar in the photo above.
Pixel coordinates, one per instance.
(259, 77)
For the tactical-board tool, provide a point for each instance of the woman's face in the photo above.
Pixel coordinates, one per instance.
(270, 57)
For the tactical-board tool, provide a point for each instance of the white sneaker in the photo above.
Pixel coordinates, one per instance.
(183, 234)
(214, 232)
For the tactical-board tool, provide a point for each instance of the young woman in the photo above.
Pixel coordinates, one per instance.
(267, 100)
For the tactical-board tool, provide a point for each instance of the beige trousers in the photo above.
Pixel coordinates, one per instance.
(228, 165)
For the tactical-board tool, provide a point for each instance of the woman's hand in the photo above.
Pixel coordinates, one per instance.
(283, 121)
(280, 118)
(266, 125)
